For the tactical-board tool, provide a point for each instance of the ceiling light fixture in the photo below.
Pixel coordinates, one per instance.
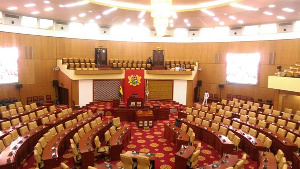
(249, 8)
(272, 6)
(141, 14)
(82, 15)
(77, 4)
(186, 21)
(35, 12)
(128, 20)
(47, 2)
(161, 11)
(91, 20)
(221, 23)
(142, 20)
(98, 17)
(216, 19)
(73, 18)
(280, 17)
(288, 9)
(174, 15)
(48, 9)
(109, 10)
(268, 13)
(188, 24)
(172, 25)
(29, 5)
(240, 21)
(208, 12)
(232, 17)
(61, 5)
(12, 8)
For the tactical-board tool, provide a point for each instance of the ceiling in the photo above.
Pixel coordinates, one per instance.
(196, 19)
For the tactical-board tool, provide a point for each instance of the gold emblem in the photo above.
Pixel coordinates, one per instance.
(134, 80)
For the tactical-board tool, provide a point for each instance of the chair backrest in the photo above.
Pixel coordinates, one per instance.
(59, 128)
(270, 119)
(20, 110)
(228, 114)
(215, 126)
(45, 110)
(2, 146)
(287, 110)
(76, 138)
(253, 132)
(276, 113)
(245, 128)
(205, 123)
(79, 117)
(282, 161)
(87, 127)
(226, 121)
(202, 114)
(273, 128)
(183, 127)
(97, 142)
(5, 125)
(48, 136)
(281, 122)
(107, 135)
(37, 157)
(195, 112)
(81, 132)
(64, 166)
(279, 155)
(239, 164)
(297, 117)
(209, 116)
(268, 142)
(190, 118)
(282, 132)
(223, 130)
(143, 162)
(85, 115)
(14, 134)
(230, 135)
(198, 120)
(45, 120)
(126, 161)
(3, 108)
(236, 124)
(5, 114)
(243, 118)
(224, 101)
(13, 112)
(297, 142)
(23, 130)
(112, 130)
(52, 117)
(42, 141)
(291, 125)
(117, 122)
(32, 125)
(98, 120)
(261, 137)
(93, 124)
(33, 105)
(218, 118)
(252, 120)
(252, 114)
(52, 108)
(32, 116)
(236, 140)
(7, 140)
(188, 110)
(266, 106)
(90, 113)
(286, 115)
(40, 113)
(267, 111)
(15, 121)
(262, 124)
(53, 131)
(65, 112)
(74, 121)
(190, 131)
(235, 110)
(221, 112)
(27, 107)
(261, 117)
(227, 108)
(38, 148)
(68, 123)
(12, 106)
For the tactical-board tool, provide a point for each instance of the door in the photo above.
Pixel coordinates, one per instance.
(63, 96)
(158, 57)
(101, 56)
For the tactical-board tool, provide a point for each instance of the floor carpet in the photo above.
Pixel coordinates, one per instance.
(153, 141)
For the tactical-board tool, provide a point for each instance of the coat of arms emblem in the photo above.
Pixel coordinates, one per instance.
(134, 80)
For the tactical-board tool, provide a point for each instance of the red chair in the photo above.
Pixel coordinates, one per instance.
(216, 98)
(234, 96)
(48, 99)
(35, 99)
(228, 97)
(29, 100)
(244, 98)
(238, 97)
(41, 99)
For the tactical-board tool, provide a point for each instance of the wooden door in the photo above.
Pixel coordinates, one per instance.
(158, 57)
(101, 56)
(63, 96)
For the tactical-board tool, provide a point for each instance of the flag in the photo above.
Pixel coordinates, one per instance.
(121, 91)
(147, 90)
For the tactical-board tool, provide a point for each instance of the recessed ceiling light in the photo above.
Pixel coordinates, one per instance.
(142, 20)
(91, 20)
(82, 15)
(171, 21)
(240, 21)
(186, 20)
(249, 8)
(272, 6)
(174, 15)
(73, 18)
(225, 14)
(288, 9)
(98, 17)
(128, 20)
(188, 24)
(90, 11)
(221, 23)
(232, 17)
(172, 25)
(48, 9)
(61, 5)
(109, 10)
(29, 5)
(216, 19)
(47, 2)
(208, 12)
(141, 14)
(35, 12)
(12, 8)
(268, 13)
(280, 17)
(76, 4)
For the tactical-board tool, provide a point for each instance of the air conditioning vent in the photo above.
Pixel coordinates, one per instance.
(236, 31)
(286, 24)
(61, 26)
(285, 27)
(61, 23)
(12, 16)
(235, 28)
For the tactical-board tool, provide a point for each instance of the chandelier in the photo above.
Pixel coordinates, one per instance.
(161, 11)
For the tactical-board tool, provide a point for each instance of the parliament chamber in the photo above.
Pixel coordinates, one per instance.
(160, 84)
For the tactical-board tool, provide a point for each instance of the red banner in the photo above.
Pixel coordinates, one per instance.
(134, 82)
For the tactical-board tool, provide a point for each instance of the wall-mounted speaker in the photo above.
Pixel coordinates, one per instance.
(55, 83)
(18, 86)
(199, 83)
(221, 85)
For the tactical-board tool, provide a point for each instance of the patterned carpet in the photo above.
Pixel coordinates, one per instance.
(153, 141)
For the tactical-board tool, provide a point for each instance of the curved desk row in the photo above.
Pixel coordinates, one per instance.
(182, 155)
(278, 141)
(86, 144)
(58, 144)
(266, 160)
(129, 114)
(25, 113)
(13, 155)
(176, 135)
(288, 129)
(211, 136)
(227, 160)
(280, 117)
(118, 141)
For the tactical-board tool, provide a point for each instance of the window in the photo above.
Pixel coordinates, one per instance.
(8, 65)
(46, 23)
(242, 68)
(29, 22)
(251, 30)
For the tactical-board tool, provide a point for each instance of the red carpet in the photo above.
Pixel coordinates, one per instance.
(153, 141)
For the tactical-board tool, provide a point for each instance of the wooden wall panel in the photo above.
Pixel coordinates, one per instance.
(160, 89)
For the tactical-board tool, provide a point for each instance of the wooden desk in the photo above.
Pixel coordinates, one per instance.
(126, 114)
(296, 160)
(134, 156)
(60, 142)
(211, 136)
(278, 141)
(87, 145)
(144, 119)
(118, 141)
(176, 135)
(182, 155)
(271, 162)
(18, 150)
(228, 160)
(106, 165)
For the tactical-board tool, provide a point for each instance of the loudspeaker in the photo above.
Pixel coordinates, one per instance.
(221, 85)
(18, 86)
(55, 83)
(199, 83)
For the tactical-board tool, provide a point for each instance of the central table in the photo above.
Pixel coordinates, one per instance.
(144, 118)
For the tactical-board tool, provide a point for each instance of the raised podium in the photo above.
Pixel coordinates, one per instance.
(135, 103)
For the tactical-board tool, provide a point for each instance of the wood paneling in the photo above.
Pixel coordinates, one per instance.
(190, 93)
(160, 89)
